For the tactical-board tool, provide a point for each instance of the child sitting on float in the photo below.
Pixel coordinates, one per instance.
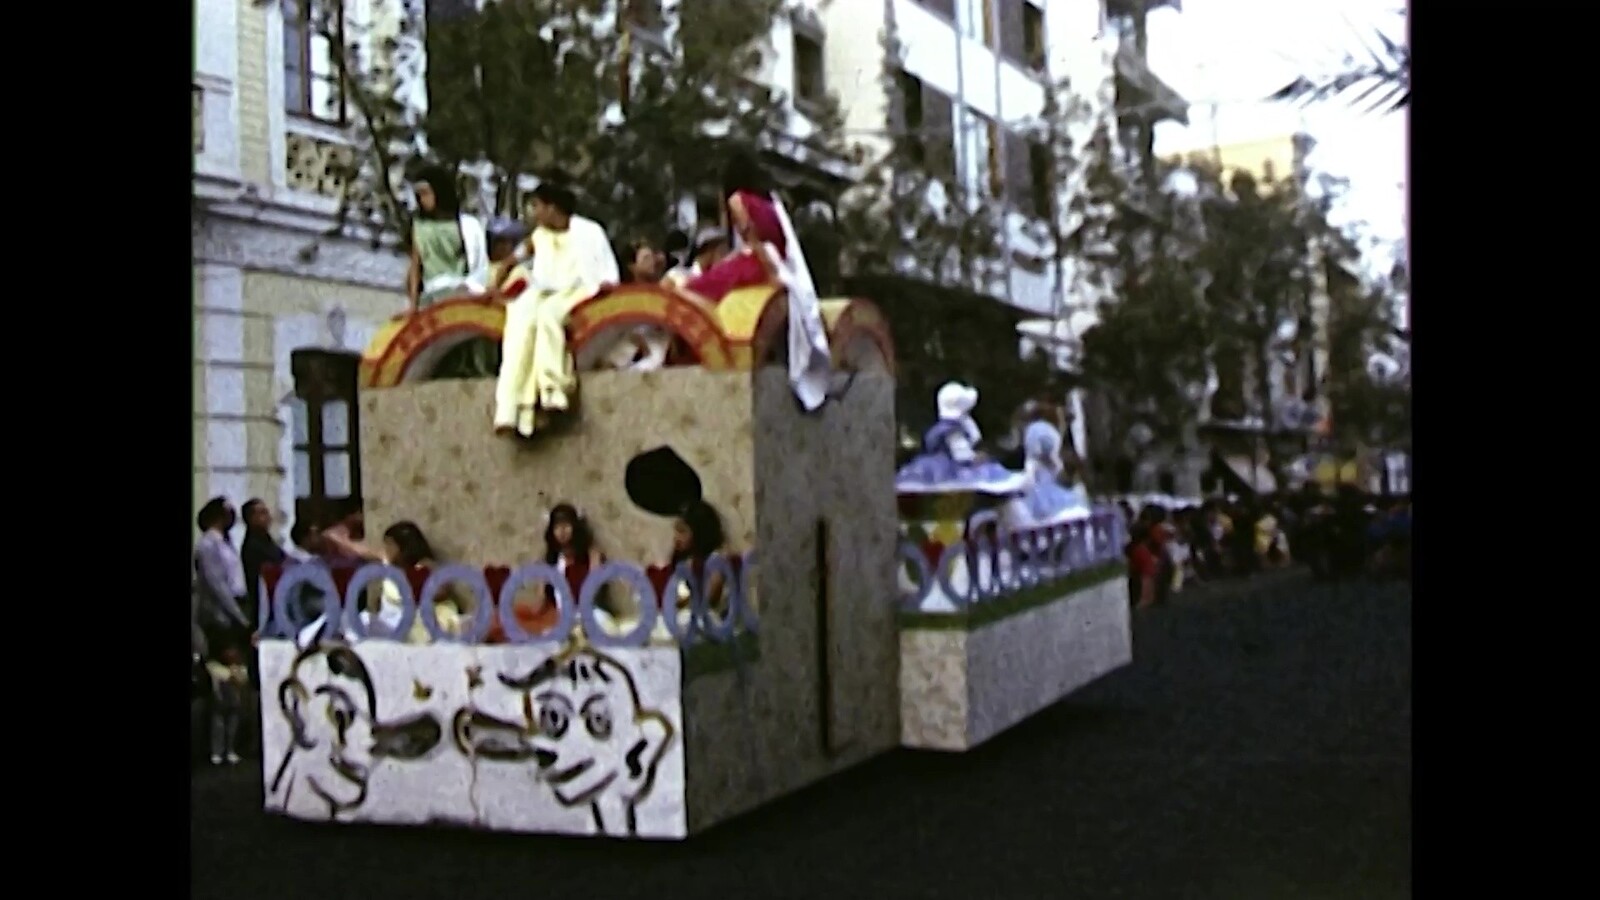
(405, 547)
(697, 534)
(570, 549)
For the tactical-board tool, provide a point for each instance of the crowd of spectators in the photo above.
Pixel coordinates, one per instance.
(1346, 534)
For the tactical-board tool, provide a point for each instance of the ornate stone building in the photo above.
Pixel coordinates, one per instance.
(270, 129)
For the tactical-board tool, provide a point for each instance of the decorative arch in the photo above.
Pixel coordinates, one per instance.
(407, 349)
(611, 313)
(858, 335)
(860, 339)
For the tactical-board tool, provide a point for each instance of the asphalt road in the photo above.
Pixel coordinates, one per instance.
(1258, 749)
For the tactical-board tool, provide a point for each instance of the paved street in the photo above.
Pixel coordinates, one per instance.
(1258, 749)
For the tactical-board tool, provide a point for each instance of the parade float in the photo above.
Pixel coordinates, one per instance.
(1016, 598)
(832, 637)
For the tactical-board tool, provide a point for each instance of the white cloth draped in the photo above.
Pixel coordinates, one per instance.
(810, 359)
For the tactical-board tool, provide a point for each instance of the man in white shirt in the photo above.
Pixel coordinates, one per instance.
(572, 259)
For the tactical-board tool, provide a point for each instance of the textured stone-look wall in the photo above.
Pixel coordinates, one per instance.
(960, 688)
(755, 735)
(607, 761)
(429, 454)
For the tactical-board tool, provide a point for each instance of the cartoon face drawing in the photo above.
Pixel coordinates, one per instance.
(585, 728)
(336, 737)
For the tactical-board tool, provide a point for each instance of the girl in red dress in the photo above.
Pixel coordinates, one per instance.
(569, 547)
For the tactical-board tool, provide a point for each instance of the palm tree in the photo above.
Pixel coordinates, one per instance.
(1379, 80)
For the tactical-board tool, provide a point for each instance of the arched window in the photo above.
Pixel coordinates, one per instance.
(325, 422)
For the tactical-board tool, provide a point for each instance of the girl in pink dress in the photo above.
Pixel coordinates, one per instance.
(753, 217)
(769, 253)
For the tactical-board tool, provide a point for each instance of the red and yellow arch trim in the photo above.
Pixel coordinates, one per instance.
(737, 334)
(388, 360)
(847, 320)
(634, 304)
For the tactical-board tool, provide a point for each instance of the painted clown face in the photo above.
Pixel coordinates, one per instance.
(331, 708)
(584, 727)
(590, 736)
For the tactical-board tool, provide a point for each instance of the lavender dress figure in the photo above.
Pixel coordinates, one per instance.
(949, 462)
(1047, 501)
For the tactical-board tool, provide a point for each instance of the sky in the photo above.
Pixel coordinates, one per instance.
(1224, 55)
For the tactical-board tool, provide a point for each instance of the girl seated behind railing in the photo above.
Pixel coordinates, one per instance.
(569, 548)
(697, 534)
(405, 547)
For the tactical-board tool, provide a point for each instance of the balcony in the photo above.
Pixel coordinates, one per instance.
(316, 164)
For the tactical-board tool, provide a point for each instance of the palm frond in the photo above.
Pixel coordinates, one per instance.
(1378, 82)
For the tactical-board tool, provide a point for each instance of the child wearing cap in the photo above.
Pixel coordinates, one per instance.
(508, 278)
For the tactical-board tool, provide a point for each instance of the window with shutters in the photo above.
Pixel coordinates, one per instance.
(809, 83)
(910, 89)
(1019, 171)
(993, 155)
(938, 134)
(926, 120)
(1039, 180)
(311, 84)
(325, 424)
(1033, 36)
(1007, 30)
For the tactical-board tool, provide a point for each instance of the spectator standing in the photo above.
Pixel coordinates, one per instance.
(258, 549)
(219, 580)
(219, 597)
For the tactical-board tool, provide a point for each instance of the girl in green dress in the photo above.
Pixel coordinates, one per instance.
(449, 252)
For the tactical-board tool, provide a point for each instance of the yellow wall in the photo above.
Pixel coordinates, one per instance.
(268, 297)
(255, 146)
(1276, 155)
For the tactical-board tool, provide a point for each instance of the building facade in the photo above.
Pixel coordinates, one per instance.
(270, 133)
(979, 69)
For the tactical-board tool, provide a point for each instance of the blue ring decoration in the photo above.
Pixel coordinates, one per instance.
(956, 551)
(351, 611)
(544, 574)
(648, 610)
(482, 607)
(685, 635)
(1075, 545)
(1061, 550)
(698, 602)
(747, 611)
(981, 548)
(717, 564)
(293, 577)
(1015, 544)
(906, 551)
(1029, 564)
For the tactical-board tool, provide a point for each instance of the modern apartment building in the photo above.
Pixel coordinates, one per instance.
(972, 72)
